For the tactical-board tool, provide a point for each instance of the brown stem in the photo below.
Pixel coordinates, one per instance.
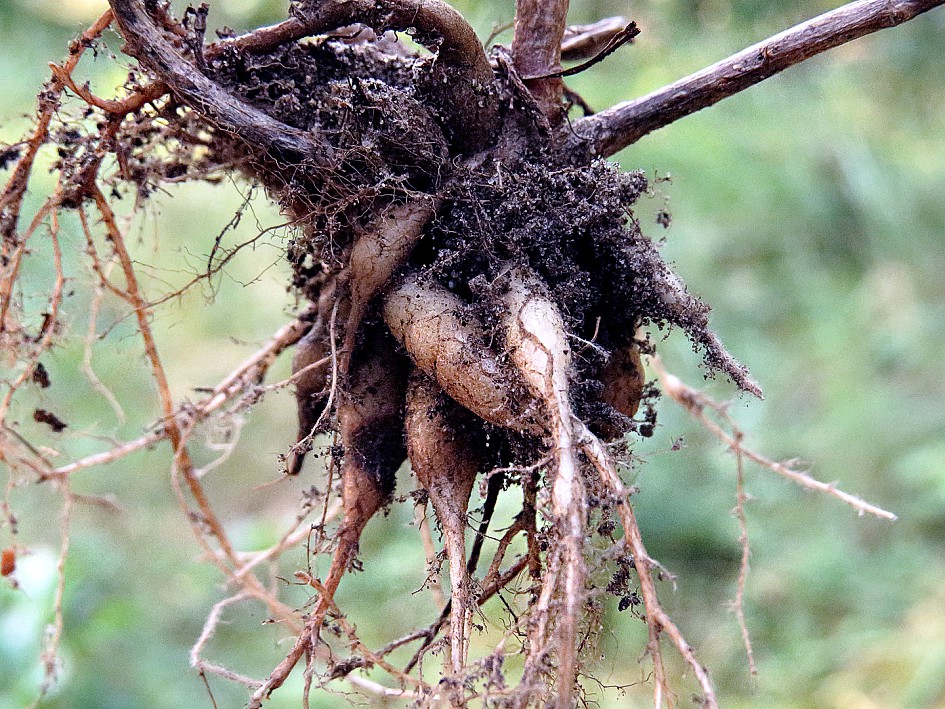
(614, 129)
(536, 50)
(150, 45)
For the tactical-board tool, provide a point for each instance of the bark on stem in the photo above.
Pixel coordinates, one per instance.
(536, 50)
(150, 45)
(614, 129)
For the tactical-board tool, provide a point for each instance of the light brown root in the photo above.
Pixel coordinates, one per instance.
(311, 385)
(537, 341)
(446, 342)
(370, 414)
(443, 454)
(658, 620)
(623, 379)
(377, 254)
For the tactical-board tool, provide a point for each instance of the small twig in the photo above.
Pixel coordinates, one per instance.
(612, 130)
(657, 620)
(90, 338)
(116, 107)
(51, 651)
(232, 386)
(621, 38)
(209, 628)
(695, 402)
(12, 196)
(740, 499)
(584, 41)
(429, 551)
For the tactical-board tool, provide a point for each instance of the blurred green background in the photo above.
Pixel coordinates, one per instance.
(809, 211)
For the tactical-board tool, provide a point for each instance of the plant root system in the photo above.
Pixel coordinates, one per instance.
(480, 294)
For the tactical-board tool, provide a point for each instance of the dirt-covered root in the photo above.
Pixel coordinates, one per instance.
(677, 305)
(461, 85)
(370, 416)
(379, 251)
(537, 341)
(442, 444)
(446, 341)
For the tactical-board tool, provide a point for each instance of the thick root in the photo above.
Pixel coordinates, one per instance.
(370, 413)
(443, 454)
(537, 341)
(446, 342)
(376, 256)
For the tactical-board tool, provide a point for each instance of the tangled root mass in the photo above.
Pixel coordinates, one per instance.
(436, 210)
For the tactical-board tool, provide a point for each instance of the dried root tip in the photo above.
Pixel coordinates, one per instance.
(370, 413)
(378, 253)
(446, 342)
(445, 459)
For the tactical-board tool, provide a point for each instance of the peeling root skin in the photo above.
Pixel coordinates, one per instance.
(445, 459)
(445, 341)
